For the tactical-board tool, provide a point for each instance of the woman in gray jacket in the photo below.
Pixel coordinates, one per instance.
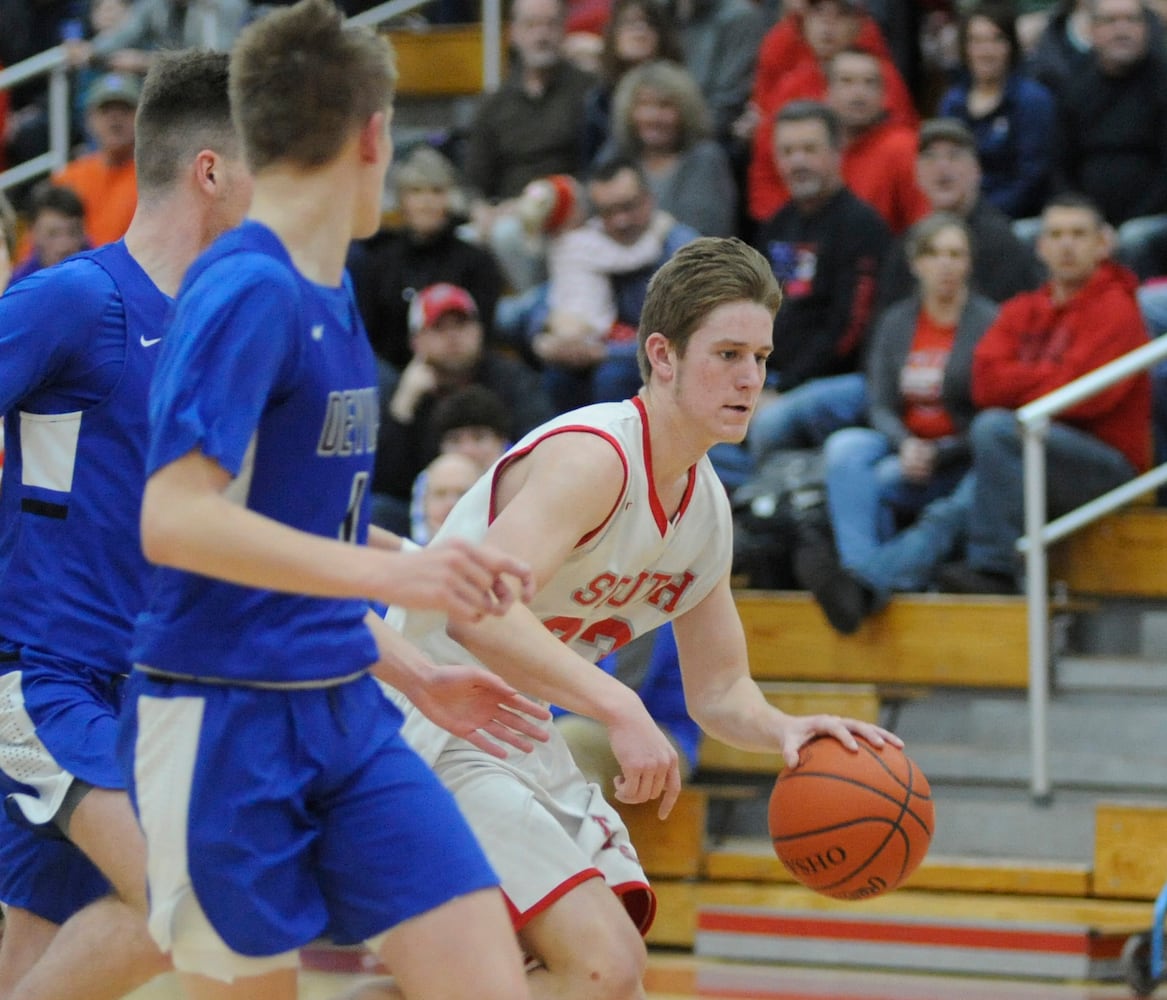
(916, 449)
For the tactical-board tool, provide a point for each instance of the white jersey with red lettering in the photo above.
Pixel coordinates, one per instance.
(543, 827)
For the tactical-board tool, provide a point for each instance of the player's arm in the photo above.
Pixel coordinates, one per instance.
(189, 523)
(47, 324)
(727, 703)
(380, 538)
(551, 499)
(467, 701)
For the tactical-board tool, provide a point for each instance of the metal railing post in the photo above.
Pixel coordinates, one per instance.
(59, 116)
(1037, 603)
(491, 44)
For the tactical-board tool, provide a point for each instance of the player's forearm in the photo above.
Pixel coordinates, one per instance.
(519, 649)
(207, 534)
(737, 714)
(400, 663)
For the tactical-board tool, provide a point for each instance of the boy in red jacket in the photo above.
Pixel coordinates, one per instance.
(1083, 317)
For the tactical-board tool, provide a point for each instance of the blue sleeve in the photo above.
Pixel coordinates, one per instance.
(229, 350)
(48, 323)
(953, 103)
(663, 694)
(1034, 121)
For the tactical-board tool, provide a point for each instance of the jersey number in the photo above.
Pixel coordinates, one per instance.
(352, 516)
(605, 635)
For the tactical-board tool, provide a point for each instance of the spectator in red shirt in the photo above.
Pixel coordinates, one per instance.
(1085, 316)
(828, 27)
(879, 154)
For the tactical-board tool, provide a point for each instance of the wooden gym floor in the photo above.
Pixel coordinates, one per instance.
(676, 976)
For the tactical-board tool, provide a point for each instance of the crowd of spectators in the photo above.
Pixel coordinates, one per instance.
(896, 160)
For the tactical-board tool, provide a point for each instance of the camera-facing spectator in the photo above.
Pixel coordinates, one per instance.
(1012, 116)
(106, 180)
(56, 229)
(391, 267)
(661, 120)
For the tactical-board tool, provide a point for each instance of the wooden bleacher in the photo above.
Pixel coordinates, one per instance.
(1121, 555)
(437, 61)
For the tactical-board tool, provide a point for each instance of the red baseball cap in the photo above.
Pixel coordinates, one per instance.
(432, 303)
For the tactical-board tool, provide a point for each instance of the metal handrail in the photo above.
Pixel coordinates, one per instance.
(1034, 421)
(52, 62)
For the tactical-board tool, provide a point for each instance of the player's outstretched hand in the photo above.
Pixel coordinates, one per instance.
(482, 709)
(648, 762)
(465, 581)
(801, 729)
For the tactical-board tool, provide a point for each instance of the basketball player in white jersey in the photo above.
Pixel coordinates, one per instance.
(619, 513)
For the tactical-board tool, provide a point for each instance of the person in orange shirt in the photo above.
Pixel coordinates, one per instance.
(105, 180)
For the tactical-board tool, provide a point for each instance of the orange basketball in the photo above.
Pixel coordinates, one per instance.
(851, 825)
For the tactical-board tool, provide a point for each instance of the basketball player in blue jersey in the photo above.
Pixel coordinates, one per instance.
(79, 343)
(620, 515)
(277, 796)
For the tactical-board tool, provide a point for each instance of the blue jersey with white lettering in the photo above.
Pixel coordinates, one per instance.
(272, 377)
(78, 345)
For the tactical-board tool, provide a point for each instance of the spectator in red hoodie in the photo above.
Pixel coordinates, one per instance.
(826, 27)
(1085, 316)
(879, 153)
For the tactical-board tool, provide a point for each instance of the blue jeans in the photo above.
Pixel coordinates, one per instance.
(805, 417)
(1079, 467)
(868, 497)
(614, 379)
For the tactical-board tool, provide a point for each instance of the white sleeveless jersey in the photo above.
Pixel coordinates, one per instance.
(635, 571)
(632, 573)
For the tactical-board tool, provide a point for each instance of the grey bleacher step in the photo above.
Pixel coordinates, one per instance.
(981, 822)
(1128, 674)
(1091, 765)
(1002, 722)
(1008, 824)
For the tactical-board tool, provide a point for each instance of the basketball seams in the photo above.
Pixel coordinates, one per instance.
(844, 856)
(844, 779)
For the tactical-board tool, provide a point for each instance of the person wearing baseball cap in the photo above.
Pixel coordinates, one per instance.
(432, 304)
(449, 353)
(114, 88)
(105, 180)
(393, 265)
(948, 171)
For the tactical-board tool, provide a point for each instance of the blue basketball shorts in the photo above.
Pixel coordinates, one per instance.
(58, 720)
(284, 815)
(46, 876)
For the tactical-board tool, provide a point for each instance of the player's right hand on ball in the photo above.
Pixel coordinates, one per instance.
(465, 581)
(648, 762)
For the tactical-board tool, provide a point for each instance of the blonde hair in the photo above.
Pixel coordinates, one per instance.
(674, 84)
(8, 224)
(424, 167)
(702, 275)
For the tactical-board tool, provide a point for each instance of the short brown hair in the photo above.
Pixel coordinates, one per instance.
(698, 278)
(302, 80)
(184, 107)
